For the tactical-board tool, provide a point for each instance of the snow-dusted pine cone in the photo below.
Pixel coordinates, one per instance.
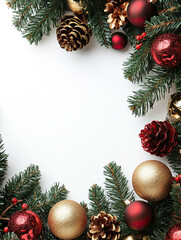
(158, 138)
(73, 33)
(103, 227)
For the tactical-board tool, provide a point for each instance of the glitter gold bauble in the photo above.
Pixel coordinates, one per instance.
(174, 107)
(75, 6)
(152, 180)
(67, 219)
(129, 237)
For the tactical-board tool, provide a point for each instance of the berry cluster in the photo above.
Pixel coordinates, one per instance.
(140, 38)
(14, 202)
(177, 178)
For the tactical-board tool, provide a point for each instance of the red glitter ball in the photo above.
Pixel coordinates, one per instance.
(166, 50)
(26, 225)
(119, 40)
(174, 232)
(139, 215)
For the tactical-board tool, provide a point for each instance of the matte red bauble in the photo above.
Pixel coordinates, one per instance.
(138, 215)
(118, 40)
(174, 232)
(26, 225)
(166, 50)
(139, 11)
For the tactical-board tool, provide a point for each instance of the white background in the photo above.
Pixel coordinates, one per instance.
(67, 112)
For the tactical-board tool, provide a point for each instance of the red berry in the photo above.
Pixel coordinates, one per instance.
(139, 46)
(179, 176)
(14, 200)
(177, 179)
(24, 206)
(138, 37)
(143, 35)
(173, 178)
(6, 230)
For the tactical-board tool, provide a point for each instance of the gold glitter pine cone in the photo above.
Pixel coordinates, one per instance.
(103, 227)
(73, 33)
(118, 13)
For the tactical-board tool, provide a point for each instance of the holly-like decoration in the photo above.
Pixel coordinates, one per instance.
(139, 11)
(166, 50)
(118, 40)
(139, 215)
(158, 138)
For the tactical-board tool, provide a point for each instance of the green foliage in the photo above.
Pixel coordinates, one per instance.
(153, 89)
(10, 236)
(98, 20)
(98, 201)
(174, 157)
(176, 196)
(117, 189)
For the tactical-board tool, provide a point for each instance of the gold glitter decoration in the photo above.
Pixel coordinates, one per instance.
(75, 6)
(129, 237)
(140, 237)
(67, 219)
(152, 180)
(174, 107)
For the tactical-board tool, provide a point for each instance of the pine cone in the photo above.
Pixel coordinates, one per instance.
(73, 33)
(158, 138)
(118, 13)
(103, 227)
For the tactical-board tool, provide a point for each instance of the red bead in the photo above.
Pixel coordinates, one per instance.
(14, 200)
(138, 215)
(118, 41)
(6, 230)
(174, 232)
(24, 206)
(166, 50)
(138, 37)
(139, 11)
(139, 46)
(179, 176)
(177, 179)
(143, 35)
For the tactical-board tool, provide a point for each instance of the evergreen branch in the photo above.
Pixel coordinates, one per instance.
(117, 189)
(98, 21)
(10, 236)
(140, 63)
(176, 196)
(40, 24)
(163, 23)
(178, 80)
(22, 185)
(163, 212)
(153, 90)
(3, 162)
(131, 32)
(174, 158)
(98, 201)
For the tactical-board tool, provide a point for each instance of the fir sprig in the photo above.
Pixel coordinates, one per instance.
(156, 86)
(98, 21)
(3, 162)
(98, 201)
(10, 236)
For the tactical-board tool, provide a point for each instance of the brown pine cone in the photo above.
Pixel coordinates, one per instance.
(103, 227)
(73, 33)
(118, 13)
(158, 138)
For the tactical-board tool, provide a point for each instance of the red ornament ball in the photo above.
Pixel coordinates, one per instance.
(166, 50)
(139, 11)
(118, 40)
(26, 225)
(174, 232)
(138, 215)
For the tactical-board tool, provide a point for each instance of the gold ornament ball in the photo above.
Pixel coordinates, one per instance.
(174, 107)
(67, 219)
(152, 180)
(75, 7)
(129, 237)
